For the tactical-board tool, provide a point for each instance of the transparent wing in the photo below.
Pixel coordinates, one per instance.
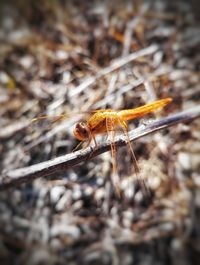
(67, 115)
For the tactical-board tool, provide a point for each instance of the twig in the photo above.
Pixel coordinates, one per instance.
(62, 163)
(113, 67)
(130, 86)
(131, 25)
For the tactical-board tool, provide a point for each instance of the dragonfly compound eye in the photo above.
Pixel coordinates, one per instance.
(80, 131)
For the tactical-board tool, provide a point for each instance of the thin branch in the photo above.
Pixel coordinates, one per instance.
(62, 163)
(113, 67)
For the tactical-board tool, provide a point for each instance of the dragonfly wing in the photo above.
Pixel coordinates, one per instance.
(67, 115)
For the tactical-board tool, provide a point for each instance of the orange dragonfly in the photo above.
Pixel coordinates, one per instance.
(106, 121)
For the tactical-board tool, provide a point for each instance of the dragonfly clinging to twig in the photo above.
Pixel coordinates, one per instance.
(107, 121)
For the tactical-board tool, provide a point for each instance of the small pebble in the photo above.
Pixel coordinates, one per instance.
(184, 160)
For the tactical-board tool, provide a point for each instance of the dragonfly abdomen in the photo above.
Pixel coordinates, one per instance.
(131, 114)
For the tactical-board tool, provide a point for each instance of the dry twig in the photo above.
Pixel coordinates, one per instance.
(113, 67)
(62, 163)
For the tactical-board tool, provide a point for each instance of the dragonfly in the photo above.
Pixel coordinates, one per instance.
(107, 121)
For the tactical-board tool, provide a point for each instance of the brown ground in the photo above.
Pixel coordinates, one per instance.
(48, 52)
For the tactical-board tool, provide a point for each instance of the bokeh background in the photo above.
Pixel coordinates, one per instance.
(57, 57)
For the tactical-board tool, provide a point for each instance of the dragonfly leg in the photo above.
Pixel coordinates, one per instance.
(78, 145)
(115, 178)
(140, 180)
(91, 137)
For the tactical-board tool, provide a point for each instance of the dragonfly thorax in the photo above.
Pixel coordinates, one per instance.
(80, 131)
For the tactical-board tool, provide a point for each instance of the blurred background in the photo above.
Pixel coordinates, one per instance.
(67, 57)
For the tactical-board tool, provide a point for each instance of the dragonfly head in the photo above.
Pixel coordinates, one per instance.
(80, 131)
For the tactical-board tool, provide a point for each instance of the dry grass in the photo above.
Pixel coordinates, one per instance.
(75, 56)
